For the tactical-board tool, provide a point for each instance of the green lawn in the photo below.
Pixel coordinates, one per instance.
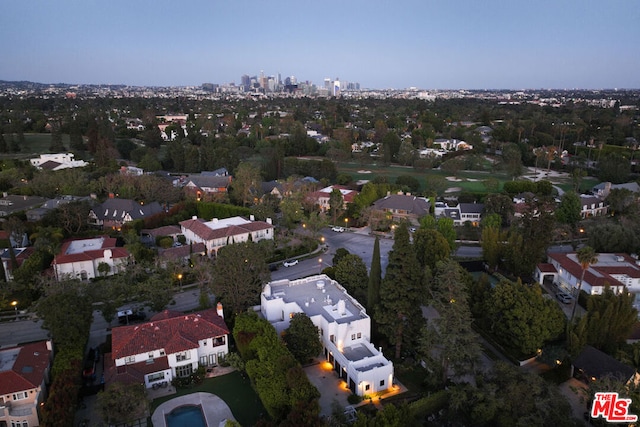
(235, 390)
(34, 144)
(469, 181)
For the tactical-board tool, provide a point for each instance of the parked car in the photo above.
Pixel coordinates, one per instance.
(290, 263)
(564, 298)
(338, 229)
(128, 316)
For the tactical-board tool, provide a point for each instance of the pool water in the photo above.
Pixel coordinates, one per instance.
(186, 416)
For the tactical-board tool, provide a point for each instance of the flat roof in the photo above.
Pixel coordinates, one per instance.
(81, 246)
(216, 223)
(318, 295)
(8, 358)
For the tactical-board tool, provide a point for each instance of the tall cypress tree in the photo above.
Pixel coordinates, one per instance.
(399, 316)
(375, 277)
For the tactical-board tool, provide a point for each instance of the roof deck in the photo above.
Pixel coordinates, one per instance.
(317, 295)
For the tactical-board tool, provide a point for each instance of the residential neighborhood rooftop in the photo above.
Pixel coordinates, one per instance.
(318, 295)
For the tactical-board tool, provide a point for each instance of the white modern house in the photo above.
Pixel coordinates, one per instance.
(221, 232)
(170, 345)
(57, 161)
(343, 325)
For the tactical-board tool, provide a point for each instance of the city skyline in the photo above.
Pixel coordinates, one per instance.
(424, 44)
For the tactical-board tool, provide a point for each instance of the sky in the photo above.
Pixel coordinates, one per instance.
(444, 44)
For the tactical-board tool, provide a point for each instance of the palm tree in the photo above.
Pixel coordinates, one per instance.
(586, 257)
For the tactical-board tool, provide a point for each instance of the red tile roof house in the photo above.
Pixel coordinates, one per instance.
(170, 345)
(321, 197)
(221, 232)
(80, 258)
(620, 271)
(24, 374)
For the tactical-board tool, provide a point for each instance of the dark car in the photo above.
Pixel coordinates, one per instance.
(128, 316)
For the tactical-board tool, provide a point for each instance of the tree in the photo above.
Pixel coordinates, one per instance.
(448, 340)
(246, 184)
(406, 153)
(621, 201)
(431, 247)
(568, 212)
(122, 403)
(509, 396)
(513, 160)
(375, 278)
(610, 319)
(614, 167)
(66, 312)
(336, 204)
(435, 184)
(399, 316)
(500, 204)
(351, 273)
(301, 338)
(586, 257)
(239, 272)
(493, 245)
(521, 315)
(443, 225)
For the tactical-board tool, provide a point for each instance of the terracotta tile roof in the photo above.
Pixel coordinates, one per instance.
(167, 230)
(598, 275)
(200, 229)
(183, 251)
(108, 243)
(547, 268)
(170, 331)
(28, 369)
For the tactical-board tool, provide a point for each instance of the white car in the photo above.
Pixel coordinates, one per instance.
(290, 263)
(564, 298)
(338, 229)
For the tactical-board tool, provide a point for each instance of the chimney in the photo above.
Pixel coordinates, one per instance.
(269, 221)
(252, 218)
(194, 217)
(219, 310)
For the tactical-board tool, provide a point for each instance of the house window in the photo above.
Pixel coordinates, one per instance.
(381, 383)
(21, 395)
(353, 337)
(156, 376)
(367, 387)
(218, 341)
(130, 359)
(332, 338)
(183, 356)
(150, 355)
(162, 353)
(183, 371)
(24, 423)
(359, 335)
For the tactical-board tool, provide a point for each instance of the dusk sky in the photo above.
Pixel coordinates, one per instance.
(466, 44)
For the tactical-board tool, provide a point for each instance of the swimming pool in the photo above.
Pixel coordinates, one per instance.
(186, 416)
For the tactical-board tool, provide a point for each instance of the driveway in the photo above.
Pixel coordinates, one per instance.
(576, 393)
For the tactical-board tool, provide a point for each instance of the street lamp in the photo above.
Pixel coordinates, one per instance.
(346, 224)
(180, 279)
(15, 307)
